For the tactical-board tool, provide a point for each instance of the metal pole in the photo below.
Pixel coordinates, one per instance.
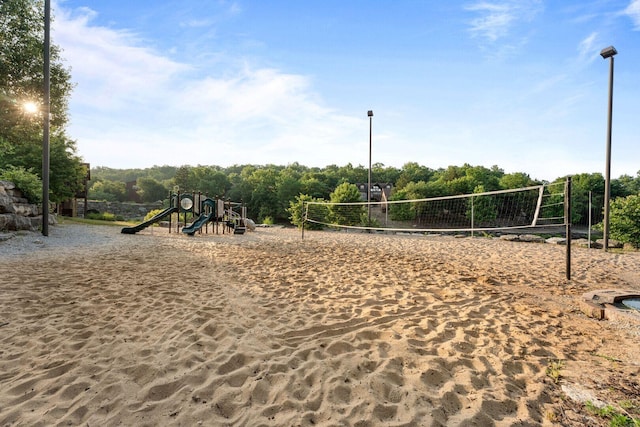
(590, 219)
(370, 114)
(567, 219)
(45, 119)
(304, 217)
(607, 184)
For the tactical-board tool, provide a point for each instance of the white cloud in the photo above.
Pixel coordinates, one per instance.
(133, 105)
(586, 47)
(496, 19)
(633, 11)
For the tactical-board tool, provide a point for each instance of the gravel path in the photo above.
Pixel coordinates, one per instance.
(62, 238)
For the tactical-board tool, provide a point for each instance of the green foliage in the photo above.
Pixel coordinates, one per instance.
(26, 181)
(615, 417)
(151, 214)
(111, 191)
(296, 212)
(105, 216)
(267, 220)
(484, 208)
(346, 215)
(402, 211)
(516, 180)
(151, 190)
(624, 220)
(553, 370)
(268, 190)
(21, 81)
(365, 221)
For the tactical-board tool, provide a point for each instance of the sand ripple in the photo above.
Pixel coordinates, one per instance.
(268, 329)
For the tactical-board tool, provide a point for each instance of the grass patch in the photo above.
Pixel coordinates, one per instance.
(615, 417)
(553, 370)
(76, 220)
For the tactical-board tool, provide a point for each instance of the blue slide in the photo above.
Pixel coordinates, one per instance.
(198, 223)
(153, 220)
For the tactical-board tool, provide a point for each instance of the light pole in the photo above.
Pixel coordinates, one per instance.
(608, 52)
(45, 120)
(370, 114)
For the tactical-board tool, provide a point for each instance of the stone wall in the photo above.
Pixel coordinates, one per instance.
(125, 210)
(16, 213)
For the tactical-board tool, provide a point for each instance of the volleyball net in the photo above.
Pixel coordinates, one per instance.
(540, 206)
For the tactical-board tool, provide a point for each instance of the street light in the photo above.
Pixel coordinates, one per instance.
(608, 52)
(370, 114)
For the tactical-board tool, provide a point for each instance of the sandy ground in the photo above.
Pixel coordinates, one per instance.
(338, 329)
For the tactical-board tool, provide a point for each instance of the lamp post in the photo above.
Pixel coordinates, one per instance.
(370, 114)
(608, 52)
(45, 120)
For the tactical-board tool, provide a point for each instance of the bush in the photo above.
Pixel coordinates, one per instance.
(151, 214)
(26, 181)
(106, 216)
(624, 220)
(296, 212)
(346, 214)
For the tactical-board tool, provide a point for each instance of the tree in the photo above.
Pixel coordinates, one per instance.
(21, 80)
(263, 198)
(624, 220)
(413, 172)
(349, 214)
(516, 180)
(111, 191)
(482, 209)
(210, 180)
(288, 187)
(151, 190)
(296, 212)
(184, 179)
(581, 185)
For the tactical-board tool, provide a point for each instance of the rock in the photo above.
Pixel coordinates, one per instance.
(614, 244)
(510, 237)
(531, 238)
(556, 240)
(16, 213)
(583, 243)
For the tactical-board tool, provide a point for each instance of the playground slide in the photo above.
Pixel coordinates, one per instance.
(153, 220)
(198, 223)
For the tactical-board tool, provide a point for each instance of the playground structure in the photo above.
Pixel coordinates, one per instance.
(225, 214)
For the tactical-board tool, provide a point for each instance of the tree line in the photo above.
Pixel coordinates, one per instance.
(268, 190)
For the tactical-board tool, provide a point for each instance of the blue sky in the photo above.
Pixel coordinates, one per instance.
(518, 84)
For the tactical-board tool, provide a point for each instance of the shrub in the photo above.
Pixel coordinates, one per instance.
(26, 181)
(106, 216)
(345, 214)
(624, 220)
(296, 212)
(151, 214)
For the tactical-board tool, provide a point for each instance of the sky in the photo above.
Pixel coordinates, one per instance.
(513, 83)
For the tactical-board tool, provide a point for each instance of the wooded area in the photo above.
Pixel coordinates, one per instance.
(268, 190)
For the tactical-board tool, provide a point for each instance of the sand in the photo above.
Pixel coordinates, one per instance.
(338, 329)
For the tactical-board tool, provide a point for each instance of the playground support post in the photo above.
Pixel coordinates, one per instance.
(170, 205)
